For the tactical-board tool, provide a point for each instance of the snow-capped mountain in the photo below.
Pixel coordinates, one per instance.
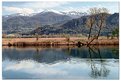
(73, 14)
(46, 11)
(18, 14)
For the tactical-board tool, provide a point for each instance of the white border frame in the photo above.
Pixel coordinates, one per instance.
(60, 0)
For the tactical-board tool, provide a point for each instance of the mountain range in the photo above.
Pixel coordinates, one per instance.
(50, 22)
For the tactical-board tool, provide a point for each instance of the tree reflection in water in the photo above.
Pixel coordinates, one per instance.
(36, 55)
(97, 70)
(96, 57)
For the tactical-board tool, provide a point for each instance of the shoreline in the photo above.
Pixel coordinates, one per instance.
(74, 41)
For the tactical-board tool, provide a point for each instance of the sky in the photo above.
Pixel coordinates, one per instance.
(65, 6)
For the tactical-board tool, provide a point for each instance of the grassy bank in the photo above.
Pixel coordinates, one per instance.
(57, 41)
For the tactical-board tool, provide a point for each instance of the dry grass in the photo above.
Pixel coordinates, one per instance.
(58, 41)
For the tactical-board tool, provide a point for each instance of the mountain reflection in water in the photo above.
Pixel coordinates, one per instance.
(61, 63)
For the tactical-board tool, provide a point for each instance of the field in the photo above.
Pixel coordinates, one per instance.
(60, 41)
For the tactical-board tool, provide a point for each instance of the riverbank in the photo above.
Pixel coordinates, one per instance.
(57, 41)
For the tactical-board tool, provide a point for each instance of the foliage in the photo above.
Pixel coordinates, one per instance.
(115, 32)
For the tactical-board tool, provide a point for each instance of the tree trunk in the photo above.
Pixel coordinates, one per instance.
(98, 33)
(89, 32)
(37, 38)
(90, 41)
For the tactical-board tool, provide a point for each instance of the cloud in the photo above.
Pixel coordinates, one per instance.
(80, 8)
(32, 7)
(74, 9)
(44, 4)
(111, 9)
(66, 6)
(18, 10)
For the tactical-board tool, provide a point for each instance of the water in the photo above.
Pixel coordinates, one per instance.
(100, 62)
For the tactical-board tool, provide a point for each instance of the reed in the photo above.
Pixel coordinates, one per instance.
(57, 42)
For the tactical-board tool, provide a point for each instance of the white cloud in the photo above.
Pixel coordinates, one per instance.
(111, 9)
(75, 9)
(18, 10)
(33, 7)
(44, 4)
(36, 7)
(81, 9)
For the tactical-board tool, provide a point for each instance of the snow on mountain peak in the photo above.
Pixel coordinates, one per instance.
(44, 11)
(74, 14)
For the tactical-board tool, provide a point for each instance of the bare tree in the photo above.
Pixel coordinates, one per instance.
(97, 19)
(91, 20)
(90, 23)
(101, 19)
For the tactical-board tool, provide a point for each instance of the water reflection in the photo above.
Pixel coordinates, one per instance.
(61, 63)
(97, 71)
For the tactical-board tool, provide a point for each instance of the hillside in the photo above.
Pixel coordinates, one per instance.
(76, 26)
(48, 22)
(19, 23)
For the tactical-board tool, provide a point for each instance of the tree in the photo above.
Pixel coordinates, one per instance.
(37, 37)
(91, 20)
(36, 34)
(115, 32)
(97, 19)
(67, 38)
(101, 19)
(90, 23)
